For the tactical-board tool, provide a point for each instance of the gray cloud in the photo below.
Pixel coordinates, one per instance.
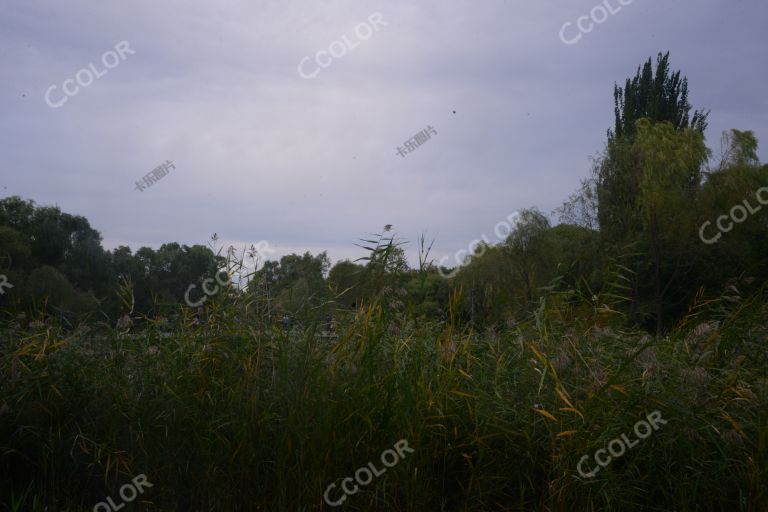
(311, 164)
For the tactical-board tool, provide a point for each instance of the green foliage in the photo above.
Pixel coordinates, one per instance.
(296, 283)
(49, 289)
(661, 97)
(532, 355)
(738, 149)
(346, 282)
(581, 207)
(219, 417)
(735, 181)
(528, 248)
(667, 156)
(14, 250)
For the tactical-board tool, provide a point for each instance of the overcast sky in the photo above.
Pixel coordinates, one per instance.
(262, 153)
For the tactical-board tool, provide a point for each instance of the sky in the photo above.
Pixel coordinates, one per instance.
(287, 121)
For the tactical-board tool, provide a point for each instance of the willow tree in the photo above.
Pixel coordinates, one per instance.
(667, 220)
(660, 96)
(527, 246)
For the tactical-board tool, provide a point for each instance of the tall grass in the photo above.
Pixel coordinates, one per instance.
(229, 415)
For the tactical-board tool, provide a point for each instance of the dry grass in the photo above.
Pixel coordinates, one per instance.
(222, 417)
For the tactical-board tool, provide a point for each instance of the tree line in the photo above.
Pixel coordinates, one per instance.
(645, 228)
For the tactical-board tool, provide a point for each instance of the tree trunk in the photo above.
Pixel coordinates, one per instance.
(658, 293)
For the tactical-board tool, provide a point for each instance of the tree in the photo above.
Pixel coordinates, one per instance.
(14, 249)
(668, 220)
(345, 281)
(491, 287)
(581, 207)
(736, 180)
(17, 213)
(660, 97)
(428, 293)
(527, 247)
(738, 149)
(50, 289)
(85, 263)
(575, 252)
(297, 282)
(124, 264)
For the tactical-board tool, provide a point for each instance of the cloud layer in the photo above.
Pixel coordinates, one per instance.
(264, 154)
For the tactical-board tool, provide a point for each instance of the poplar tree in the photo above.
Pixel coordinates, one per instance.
(652, 98)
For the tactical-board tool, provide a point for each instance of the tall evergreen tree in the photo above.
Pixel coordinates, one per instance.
(659, 97)
(654, 98)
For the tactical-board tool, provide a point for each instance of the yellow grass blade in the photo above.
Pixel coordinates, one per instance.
(545, 414)
(572, 409)
(563, 396)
